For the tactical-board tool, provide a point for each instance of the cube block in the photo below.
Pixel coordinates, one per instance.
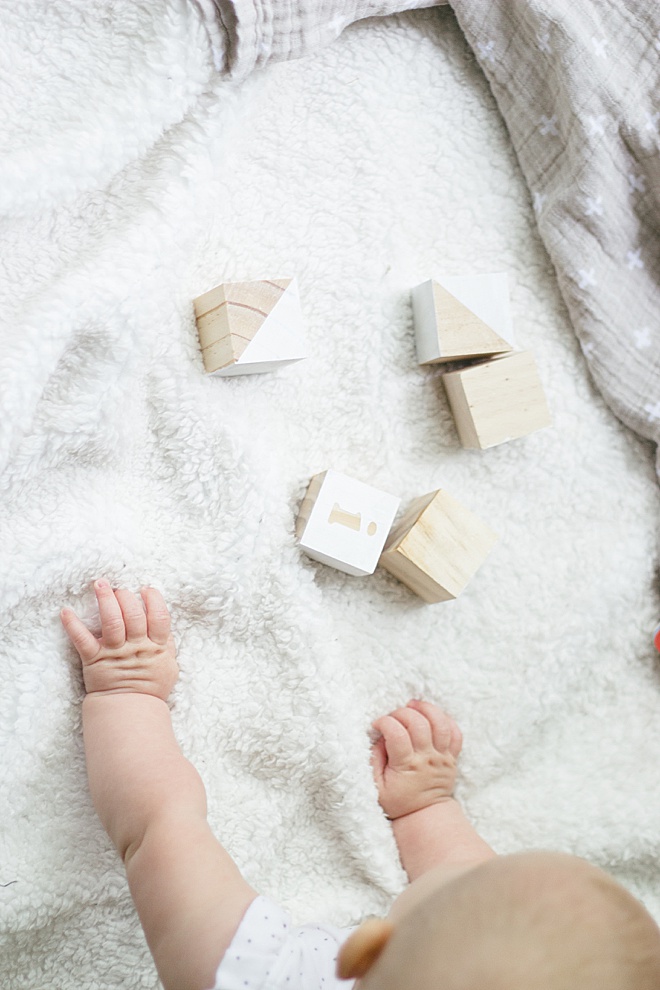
(497, 400)
(250, 327)
(437, 547)
(344, 523)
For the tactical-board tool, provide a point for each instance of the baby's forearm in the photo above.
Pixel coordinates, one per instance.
(137, 773)
(437, 836)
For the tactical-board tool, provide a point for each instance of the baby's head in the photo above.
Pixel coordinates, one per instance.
(543, 920)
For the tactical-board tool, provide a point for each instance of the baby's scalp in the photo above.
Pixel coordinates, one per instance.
(539, 919)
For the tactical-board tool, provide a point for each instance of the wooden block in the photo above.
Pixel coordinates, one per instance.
(246, 328)
(344, 523)
(437, 547)
(462, 316)
(498, 400)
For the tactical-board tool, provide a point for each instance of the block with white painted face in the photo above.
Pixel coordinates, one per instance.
(248, 328)
(461, 317)
(344, 522)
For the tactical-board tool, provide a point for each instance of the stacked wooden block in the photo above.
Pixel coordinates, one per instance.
(461, 322)
(495, 393)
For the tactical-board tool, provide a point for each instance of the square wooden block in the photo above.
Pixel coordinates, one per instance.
(497, 400)
(459, 317)
(247, 328)
(344, 523)
(437, 547)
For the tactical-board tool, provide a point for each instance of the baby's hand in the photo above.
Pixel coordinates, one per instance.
(414, 760)
(136, 650)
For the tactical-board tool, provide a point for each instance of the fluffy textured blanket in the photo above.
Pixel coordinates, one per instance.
(137, 178)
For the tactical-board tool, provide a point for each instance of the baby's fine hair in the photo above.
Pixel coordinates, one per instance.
(542, 920)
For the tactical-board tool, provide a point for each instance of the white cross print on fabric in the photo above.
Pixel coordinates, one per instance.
(600, 44)
(593, 206)
(486, 51)
(637, 183)
(634, 259)
(586, 276)
(596, 125)
(548, 125)
(539, 200)
(652, 121)
(588, 349)
(652, 411)
(543, 42)
(643, 338)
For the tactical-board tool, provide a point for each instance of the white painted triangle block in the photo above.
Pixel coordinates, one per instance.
(426, 333)
(280, 339)
(344, 522)
(487, 296)
(460, 317)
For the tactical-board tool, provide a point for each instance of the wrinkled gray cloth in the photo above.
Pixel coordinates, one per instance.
(246, 34)
(578, 85)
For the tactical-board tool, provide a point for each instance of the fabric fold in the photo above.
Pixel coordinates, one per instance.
(247, 34)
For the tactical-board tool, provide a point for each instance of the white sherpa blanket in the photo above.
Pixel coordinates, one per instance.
(135, 179)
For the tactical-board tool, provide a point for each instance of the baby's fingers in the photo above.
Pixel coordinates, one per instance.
(398, 746)
(86, 644)
(113, 630)
(417, 725)
(446, 734)
(378, 759)
(135, 620)
(158, 617)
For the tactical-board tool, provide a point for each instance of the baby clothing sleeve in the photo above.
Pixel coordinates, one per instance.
(269, 953)
(246, 34)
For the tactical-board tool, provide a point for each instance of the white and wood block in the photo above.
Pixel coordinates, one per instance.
(246, 328)
(498, 400)
(344, 523)
(437, 547)
(459, 317)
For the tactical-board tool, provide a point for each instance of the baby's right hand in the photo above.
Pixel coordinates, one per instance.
(414, 760)
(135, 653)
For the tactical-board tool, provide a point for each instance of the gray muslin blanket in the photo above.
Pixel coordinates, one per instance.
(578, 84)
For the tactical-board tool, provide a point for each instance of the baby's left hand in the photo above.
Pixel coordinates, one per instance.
(414, 760)
(135, 653)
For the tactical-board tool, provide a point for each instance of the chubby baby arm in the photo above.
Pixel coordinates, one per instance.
(189, 894)
(414, 764)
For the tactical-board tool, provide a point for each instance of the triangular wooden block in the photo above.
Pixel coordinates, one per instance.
(280, 338)
(453, 318)
(250, 327)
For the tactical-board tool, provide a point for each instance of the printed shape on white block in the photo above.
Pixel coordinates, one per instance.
(344, 522)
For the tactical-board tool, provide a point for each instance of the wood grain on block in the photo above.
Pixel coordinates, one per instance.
(448, 329)
(437, 547)
(231, 316)
(497, 400)
(344, 523)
